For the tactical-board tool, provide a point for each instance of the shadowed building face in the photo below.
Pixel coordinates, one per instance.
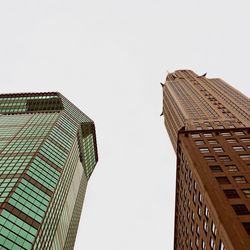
(47, 154)
(208, 122)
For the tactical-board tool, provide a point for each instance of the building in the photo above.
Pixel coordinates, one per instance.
(208, 122)
(47, 155)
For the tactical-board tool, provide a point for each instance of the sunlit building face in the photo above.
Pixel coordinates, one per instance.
(208, 122)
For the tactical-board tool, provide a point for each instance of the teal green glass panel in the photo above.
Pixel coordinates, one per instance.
(15, 233)
(31, 103)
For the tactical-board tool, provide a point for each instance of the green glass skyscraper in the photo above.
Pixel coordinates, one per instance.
(47, 154)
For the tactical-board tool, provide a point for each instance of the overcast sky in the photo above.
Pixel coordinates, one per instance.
(108, 58)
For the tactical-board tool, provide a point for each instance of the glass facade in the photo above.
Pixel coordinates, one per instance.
(45, 142)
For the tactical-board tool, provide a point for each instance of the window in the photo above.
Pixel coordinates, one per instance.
(246, 192)
(195, 185)
(190, 174)
(197, 242)
(209, 158)
(212, 142)
(231, 168)
(215, 169)
(231, 193)
(224, 158)
(240, 179)
(204, 150)
(213, 229)
(239, 133)
(218, 149)
(194, 198)
(206, 212)
(208, 134)
(203, 245)
(222, 180)
(225, 134)
(199, 142)
(246, 225)
(205, 226)
(195, 135)
(245, 157)
(221, 246)
(199, 211)
(198, 229)
(212, 243)
(238, 148)
(231, 140)
(245, 140)
(190, 187)
(192, 216)
(200, 197)
(240, 209)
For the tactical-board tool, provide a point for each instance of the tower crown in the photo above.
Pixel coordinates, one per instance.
(30, 102)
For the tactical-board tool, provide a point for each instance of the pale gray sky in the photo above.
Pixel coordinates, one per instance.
(108, 58)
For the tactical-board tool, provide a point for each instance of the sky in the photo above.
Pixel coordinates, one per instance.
(108, 58)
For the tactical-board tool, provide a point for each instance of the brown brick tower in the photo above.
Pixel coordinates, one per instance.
(208, 122)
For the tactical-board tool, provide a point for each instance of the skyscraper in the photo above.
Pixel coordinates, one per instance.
(208, 122)
(47, 155)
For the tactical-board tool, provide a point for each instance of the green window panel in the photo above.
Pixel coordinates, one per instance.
(39, 178)
(31, 187)
(15, 233)
(13, 165)
(31, 104)
(67, 125)
(46, 172)
(11, 120)
(54, 149)
(62, 138)
(89, 155)
(2, 199)
(74, 111)
(26, 207)
(52, 157)
(42, 178)
(3, 144)
(38, 161)
(6, 186)
(43, 173)
(57, 159)
(28, 190)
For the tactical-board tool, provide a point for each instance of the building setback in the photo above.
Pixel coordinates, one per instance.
(47, 155)
(208, 122)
